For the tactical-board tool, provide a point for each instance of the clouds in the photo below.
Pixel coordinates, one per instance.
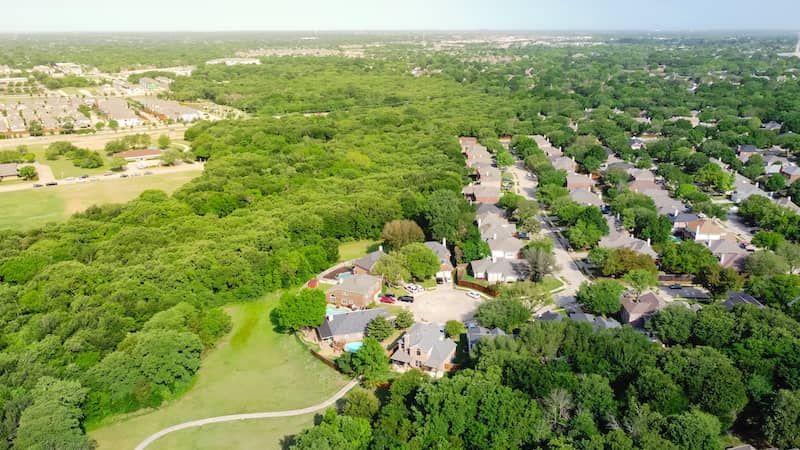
(186, 15)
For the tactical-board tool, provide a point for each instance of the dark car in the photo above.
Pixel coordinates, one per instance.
(389, 294)
(523, 236)
(37, 185)
(406, 298)
(83, 177)
(124, 175)
(676, 286)
(51, 183)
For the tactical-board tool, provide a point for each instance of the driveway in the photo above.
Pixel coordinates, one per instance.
(441, 304)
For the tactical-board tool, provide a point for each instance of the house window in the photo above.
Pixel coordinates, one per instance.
(333, 298)
(419, 352)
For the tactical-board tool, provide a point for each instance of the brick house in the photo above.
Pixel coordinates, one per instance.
(424, 347)
(357, 291)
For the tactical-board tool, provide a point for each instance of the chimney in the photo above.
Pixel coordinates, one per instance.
(648, 241)
(444, 242)
(676, 213)
(380, 248)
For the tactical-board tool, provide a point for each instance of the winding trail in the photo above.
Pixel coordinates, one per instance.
(236, 417)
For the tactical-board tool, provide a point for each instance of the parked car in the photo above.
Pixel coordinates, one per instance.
(124, 175)
(388, 300)
(676, 286)
(148, 173)
(51, 183)
(83, 177)
(473, 294)
(37, 185)
(108, 174)
(406, 298)
(523, 236)
(389, 294)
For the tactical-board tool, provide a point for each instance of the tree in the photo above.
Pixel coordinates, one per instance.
(117, 164)
(504, 159)
(170, 157)
(507, 314)
(164, 142)
(302, 310)
(641, 280)
(346, 432)
(370, 361)
(35, 128)
(715, 178)
(420, 261)
(403, 320)
(673, 324)
(454, 329)
(393, 268)
(790, 252)
(775, 182)
(601, 297)
(531, 295)
(774, 291)
(782, 422)
(687, 257)
(541, 261)
(694, 429)
(659, 391)
(619, 261)
(361, 403)
(765, 264)
(379, 328)
(54, 418)
(27, 172)
(399, 233)
(718, 280)
(445, 215)
(768, 239)
(113, 124)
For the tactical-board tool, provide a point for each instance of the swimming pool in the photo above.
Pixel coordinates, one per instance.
(333, 311)
(353, 347)
(344, 275)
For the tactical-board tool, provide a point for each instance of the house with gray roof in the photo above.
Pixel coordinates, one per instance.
(636, 312)
(8, 171)
(622, 239)
(477, 333)
(445, 259)
(741, 298)
(598, 323)
(356, 291)
(367, 263)
(550, 316)
(500, 270)
(424, 347)
(348, 327)
(585, 197)
(787, 202)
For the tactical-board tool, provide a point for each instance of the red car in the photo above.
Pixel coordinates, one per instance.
(387, 299)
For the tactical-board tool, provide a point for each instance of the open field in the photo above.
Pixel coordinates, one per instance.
(356, 249)
(253, 369)
(94, 141)
(30, 208)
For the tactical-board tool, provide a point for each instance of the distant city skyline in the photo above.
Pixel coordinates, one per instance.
(347, 15)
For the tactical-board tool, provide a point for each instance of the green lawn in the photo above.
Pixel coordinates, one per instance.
(254, 369)
(32, 208)
(356, 249)
(551, 283)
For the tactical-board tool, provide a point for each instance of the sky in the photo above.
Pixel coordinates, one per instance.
(322, 15)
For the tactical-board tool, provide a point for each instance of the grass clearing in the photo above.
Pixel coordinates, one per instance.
(32, 208)
(550, 283)
(356, 249)
(254, 369)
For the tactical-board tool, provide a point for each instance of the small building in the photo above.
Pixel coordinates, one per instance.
(729, 253)
(637, 143)
(357, 291)
(744, 152)
(563, 163)
(792, 171)
(786, 202)
(348, 327)
(704, 230)
(741, 298)
(139, 155)
(597, 323)
(505, 247)
(365, 264)
(772, 126)
(495, 270)
(8, 171)
(585, 197)
(476, 333)
(445, 272)
(424, 347)
(636, 312)
(576, 181)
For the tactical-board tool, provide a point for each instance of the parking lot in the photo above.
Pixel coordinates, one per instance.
(442, 303)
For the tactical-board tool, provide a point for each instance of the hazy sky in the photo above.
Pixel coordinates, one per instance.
(234, 15)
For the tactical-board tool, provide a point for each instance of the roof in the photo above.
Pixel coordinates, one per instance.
(360, 284)
(507, 267)
(440, 250)
(598, 323)
(725, 246)
(704, 227)
(645, 304)
(791, 169)
(575, 178)
(349, 323)
(583, 196)
(430, 338)
(369, 261)
(747, 148)
(8, 170)
(476, 333)
(683, 217)
(641, 174)
(562, 163)
(506, 245)
(740, 298)
(487, 209)
(138, 153)
(787, 202)
(550, 316)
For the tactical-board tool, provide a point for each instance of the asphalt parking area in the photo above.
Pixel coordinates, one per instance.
(443, 303)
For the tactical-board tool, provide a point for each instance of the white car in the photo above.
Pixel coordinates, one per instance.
(473, 294)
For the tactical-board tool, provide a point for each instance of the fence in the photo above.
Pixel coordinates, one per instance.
(477, 287)
(324, 360)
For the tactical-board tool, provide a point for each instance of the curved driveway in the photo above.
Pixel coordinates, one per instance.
(236, 417)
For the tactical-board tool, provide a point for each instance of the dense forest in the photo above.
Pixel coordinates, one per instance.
(112, 310)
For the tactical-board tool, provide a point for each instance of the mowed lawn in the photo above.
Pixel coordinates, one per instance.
(356, 249)
(253, 369)
(31, 208)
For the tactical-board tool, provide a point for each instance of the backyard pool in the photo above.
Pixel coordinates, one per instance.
(344, 275)
(353, 347)
(333, 311)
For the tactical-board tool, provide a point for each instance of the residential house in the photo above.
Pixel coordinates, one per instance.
(506, 247)
(729, 253)
(598, 323)
(503, 270)
(357, 291)
(744, 152)
(545, 145)
(774, 164)
(772, 126)
(743, 189)
(642, 186)
(550, 316)
(642, 175)
(622, 239)
(445, 260)
(787, 202)
(348, 327)
(792, 171)
(681, 219)
(424, 347)
(493, 227)
(365, 264)
(740, 298)
(704, 230)
(637, 143)
(117, 109)
(476, 333)
(636, 312)
(575, 181)
(8, 171)
(483, 194)
(585, 197)
(563, 163)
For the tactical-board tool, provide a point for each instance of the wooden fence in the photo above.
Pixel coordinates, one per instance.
(324, 360)
(486, 290)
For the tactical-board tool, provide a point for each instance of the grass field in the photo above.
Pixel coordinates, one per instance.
(254, 369)
(31, 208)
(356, 249)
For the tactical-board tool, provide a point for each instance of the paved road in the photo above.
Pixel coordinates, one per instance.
(236, 417)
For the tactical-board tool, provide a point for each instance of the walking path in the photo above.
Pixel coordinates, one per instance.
(236, 417)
